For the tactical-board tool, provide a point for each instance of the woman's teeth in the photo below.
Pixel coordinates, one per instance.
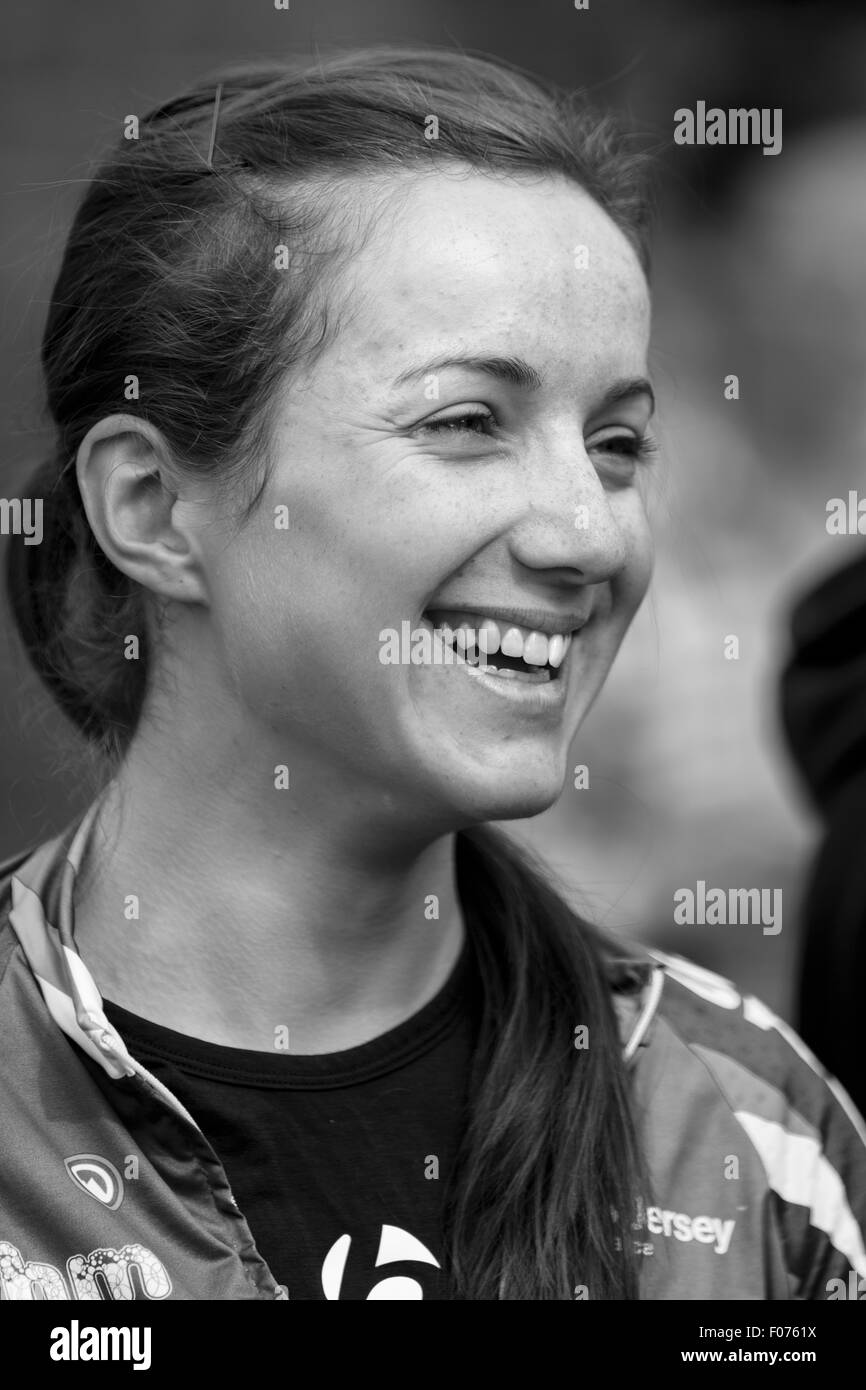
(477, 641)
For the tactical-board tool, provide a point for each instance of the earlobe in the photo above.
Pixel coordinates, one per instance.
(129, 490)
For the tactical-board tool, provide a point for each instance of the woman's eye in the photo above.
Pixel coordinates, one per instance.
(629, 446)
(472, 422)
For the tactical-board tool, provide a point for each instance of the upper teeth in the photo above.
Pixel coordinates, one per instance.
(491, 636)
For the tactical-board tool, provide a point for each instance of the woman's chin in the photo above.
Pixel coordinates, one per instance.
(510, 798)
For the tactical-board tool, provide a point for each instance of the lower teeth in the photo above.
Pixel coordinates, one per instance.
(539, 677)
(472, 658)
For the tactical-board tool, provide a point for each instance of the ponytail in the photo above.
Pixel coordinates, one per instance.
(73, 610)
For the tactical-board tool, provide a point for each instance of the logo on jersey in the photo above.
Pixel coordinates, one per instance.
(708, 1230)
(105, 1274)
(394, 1244)
(97, 1177)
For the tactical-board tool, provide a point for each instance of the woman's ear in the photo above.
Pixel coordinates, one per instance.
(132, 494)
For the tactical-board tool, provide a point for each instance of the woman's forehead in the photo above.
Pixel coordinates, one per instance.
(452, 234)
(480, 264)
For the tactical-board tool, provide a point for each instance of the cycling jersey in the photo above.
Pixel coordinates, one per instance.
(109, 1189)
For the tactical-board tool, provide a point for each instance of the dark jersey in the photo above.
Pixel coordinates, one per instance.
(339, 1162)
(110, 1187)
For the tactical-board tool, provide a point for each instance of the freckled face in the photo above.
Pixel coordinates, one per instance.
(447, 494)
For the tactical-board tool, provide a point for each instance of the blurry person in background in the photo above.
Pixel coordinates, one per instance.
(824, 716)
(392, 349)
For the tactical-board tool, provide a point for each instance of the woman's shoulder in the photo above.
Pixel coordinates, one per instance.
(795, 1113)
(30, 884)
(687, 1019)
(11, 864)
(10, 887)
(739, 1038)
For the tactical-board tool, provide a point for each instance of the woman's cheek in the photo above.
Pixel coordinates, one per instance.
(639, 551)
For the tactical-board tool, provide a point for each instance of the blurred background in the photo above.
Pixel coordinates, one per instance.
(760, 271)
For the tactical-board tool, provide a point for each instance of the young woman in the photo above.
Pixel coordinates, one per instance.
(344, 527)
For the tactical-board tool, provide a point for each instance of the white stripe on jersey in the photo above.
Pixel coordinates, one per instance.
(797, 1169)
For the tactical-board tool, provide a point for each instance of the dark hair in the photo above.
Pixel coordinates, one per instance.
(169, 277)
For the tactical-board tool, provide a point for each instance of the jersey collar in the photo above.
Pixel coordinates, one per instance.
(41, 917)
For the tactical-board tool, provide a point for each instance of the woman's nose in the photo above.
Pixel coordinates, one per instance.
(569, 523)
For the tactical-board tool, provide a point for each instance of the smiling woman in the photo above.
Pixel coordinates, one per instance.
(337, 1020)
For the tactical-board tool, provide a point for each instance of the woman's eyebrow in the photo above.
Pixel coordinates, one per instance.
(512, 370)
(516, 372)
(625, 390)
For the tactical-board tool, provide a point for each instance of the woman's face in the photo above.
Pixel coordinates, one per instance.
(463, 452)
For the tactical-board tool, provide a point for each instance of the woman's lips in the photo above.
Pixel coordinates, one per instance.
(501, 646)
(534, 690)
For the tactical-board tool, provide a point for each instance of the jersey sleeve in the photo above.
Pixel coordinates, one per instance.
(813, 1147)
(807, 1133)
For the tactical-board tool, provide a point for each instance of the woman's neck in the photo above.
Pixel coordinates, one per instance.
(204, 912)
